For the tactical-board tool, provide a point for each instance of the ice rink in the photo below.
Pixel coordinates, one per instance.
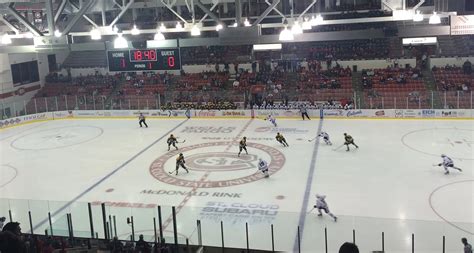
(389, 184)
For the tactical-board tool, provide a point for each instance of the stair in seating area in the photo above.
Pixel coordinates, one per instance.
(430, 83)
(357, 86)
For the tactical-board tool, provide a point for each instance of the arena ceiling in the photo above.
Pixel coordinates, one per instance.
(77, 18)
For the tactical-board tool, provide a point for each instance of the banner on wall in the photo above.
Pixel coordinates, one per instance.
(24, 119)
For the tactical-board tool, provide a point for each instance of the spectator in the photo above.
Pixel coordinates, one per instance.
(142, 246)
(115, 245)
(467, 246)
(348, 248)
(11, 240)
(467, 67)
(2, 221)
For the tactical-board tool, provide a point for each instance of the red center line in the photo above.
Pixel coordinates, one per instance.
(203, 178)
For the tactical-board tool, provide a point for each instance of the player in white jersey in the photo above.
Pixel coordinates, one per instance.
(271, 119)
(263, 167)
(322, 205)
(447, 163)
(325, 137)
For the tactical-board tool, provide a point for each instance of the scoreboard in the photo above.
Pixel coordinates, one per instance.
(144, 59)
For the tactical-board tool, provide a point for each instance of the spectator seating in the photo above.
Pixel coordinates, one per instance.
(395, 88)
(321, 86)
(454, 86)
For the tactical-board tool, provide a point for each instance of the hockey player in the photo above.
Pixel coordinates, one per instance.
(279, 137)
(321, 204)
(325, 137)
(263, 167)
(448, 163)
(243, 146)
(271, 119)
(141, 119)
(349, 140)
(180, 163)
(172, 141)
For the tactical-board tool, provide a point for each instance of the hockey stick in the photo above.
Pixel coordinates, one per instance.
(312, 139)
(435, 165)
(181, 141)
(171, 172)
(311, 210)
(334, 149)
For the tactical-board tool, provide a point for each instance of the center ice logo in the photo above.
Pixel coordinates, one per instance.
(202, 160)
(220, 161)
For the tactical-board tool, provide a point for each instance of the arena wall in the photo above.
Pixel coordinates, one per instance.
(461, 114)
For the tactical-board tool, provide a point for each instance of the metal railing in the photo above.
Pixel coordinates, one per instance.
(260, 227)
(425, 100)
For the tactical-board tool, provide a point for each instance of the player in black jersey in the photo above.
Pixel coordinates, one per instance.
(180, 163)
(279, 137)
(349, 140)
(141, 119)
(243, 145)
(172, 142)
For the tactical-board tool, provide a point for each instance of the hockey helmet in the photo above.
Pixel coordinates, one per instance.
(443, 155)
(180, 154)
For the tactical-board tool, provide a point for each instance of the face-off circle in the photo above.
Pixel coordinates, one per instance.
(202, 159)
(454, 142)
(55, 138)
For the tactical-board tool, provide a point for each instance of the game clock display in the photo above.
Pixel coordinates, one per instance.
(144, 59)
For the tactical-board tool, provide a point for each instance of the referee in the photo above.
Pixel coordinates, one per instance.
(304, 112)
(141, 119)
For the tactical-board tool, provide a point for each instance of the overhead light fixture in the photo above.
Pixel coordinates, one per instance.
(159, 36)
(315, 21)
(296, 28)
(135, 30)
(95, 34)
(57, 33)
(247, 22)
(418, 17)
(179, 27)
(286, 35)
(306, 24)
(28, 35)
(435, 19)
(235, 24)
(6, 40)
(162, 28)
(120, 42)
(195, 31)
(219, 27)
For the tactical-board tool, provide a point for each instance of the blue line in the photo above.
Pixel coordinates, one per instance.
(108, 175)
(307, 192)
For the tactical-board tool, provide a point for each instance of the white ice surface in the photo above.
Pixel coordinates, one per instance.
(387, 185)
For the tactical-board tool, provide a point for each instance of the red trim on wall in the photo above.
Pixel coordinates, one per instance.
(20, 91)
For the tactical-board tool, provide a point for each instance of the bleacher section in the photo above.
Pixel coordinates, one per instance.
(395, 88)
(454, 86)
